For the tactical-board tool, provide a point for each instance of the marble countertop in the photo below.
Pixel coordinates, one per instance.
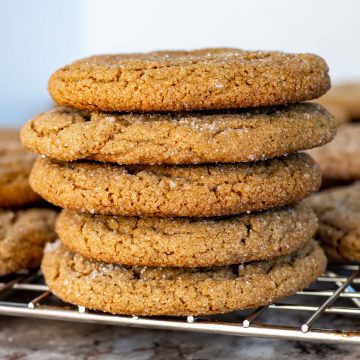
(22, 338)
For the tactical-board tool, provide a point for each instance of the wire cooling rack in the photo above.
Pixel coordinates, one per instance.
(328, 311)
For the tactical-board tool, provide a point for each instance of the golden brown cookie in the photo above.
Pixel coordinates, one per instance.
(203, 79)
(23, 235)
(9, 134)
(15, 167)
(178, 138)
(340, 114)
(345, 96)
(338, 210)
(178, 291)
(340, 159)
(187, 242)
(192, 190)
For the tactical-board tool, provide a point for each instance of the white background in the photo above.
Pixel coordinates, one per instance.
(38, 36)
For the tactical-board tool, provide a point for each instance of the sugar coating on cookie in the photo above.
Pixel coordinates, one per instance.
(340, 159)
(187, 242)
(23, 235)
(202, 79)
(178, 138)
(338, 210)
(15, 166)
(192, 190)
(179, 291)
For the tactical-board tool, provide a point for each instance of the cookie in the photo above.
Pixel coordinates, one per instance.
(178, 138)
(338, 210)
(15, 167)
(192, 190)
(185, 242)
(178, 291)
(23, 235)
(203, 79)
(9, 134)
(345, 96)
(340, 114)
(340, 159)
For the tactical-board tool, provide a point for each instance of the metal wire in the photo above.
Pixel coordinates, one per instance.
(330, 300)
(25, 295)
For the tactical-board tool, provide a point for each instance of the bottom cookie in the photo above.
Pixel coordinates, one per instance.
(338, 211)
(181, 291)
(23, 235)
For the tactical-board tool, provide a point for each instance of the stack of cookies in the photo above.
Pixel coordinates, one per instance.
(25, 224)
(181, 179)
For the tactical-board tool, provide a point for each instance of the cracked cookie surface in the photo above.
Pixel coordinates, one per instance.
(178, 138)
(23, 235)
(202, 79)
(15, 166)
(338, 210)
(187, 190)
(178, 291)
(187, 242)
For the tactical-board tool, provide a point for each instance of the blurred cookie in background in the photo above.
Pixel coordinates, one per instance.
(25, 224)
(340, 159)
(9, 134)
(338, 210)
(343, 101)
(15, 166)
(23, 235)
(341, 115)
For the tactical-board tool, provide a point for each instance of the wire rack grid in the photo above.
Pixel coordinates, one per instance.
(335, 293)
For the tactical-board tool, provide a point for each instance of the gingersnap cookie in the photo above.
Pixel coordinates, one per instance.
(338, 210)
(345, 96)
(15, 167)
(187, 190)
(203, 79)
(23, 235)
(178, 138)
(340, 159)
(340, 114)
(178, 291)
(187, 242)
(9, 134)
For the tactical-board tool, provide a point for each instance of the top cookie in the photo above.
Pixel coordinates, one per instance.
(178, 138)
(15, 167)
(189, 80)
